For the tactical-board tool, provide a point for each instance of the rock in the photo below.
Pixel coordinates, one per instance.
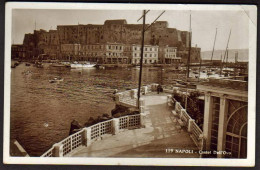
(74, 127)
(91, 121)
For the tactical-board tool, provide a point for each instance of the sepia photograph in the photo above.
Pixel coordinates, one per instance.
(130, 84)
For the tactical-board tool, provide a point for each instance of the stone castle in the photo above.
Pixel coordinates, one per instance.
(112, 31)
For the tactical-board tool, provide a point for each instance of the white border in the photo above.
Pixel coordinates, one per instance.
(250, 161)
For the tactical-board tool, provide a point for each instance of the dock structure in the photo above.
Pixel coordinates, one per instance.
(163, 128)
(161, 137)
(156, 131)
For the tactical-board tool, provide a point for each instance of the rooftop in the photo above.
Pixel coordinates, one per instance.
(227, 83)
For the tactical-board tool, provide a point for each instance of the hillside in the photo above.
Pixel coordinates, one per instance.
(242, 54)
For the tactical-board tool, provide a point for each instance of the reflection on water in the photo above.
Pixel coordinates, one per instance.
(41, 112)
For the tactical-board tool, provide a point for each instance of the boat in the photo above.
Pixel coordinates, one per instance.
(39, 65)
(82, 65)
(27, 64)
(58, 65)
(56, 79)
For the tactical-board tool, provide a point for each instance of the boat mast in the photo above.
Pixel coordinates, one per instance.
(188, 65)
(214, 45)
(225, 53)
(188, 60)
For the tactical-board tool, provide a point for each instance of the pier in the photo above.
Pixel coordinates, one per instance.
(162, 129)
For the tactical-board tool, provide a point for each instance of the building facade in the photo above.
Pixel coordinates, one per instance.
(225, 117)
(150, 54)
(18, 51)
(168, 55)
(55, 43)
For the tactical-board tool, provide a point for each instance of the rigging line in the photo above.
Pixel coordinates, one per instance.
(143, 15)
(214, 44)
(154, 21)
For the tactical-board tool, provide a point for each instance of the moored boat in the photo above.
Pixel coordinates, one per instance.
(82, 65)
(56, 79)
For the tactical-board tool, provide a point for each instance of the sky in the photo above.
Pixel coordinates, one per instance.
(203, 23)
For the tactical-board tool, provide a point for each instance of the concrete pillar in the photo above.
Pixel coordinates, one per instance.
(145, 89)
(141, 102)
(132, 94)
(202, 144)
(149, 88)
(58, 150)
(207, 124)
(135, 92)
(222, 126)
(169, 98)
(86, 136)
(181, 115)
(115, 126)
(141, 109)
(142, 120)
(117, 98)
(190, 124)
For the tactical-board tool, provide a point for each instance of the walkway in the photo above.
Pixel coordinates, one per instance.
(161, 133)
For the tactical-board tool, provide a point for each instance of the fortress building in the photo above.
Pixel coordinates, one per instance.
(53, 42)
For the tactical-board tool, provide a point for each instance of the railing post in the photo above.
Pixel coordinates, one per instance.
(191, 121)
(202, 144)
(145, 89)
(58, 150)
(142, 120)
(115, 126)
(181, 114)
(176, 105)
(86, 136)
(117, 98)
(169, 97)
(141, 105)
(132, 93)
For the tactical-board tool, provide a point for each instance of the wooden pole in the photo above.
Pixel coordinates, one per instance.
(141, 60)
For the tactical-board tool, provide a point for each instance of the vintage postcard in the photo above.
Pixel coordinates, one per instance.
(130, 84)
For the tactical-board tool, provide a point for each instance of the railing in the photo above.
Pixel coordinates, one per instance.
(185, 117)
(189, 123)
(178, 108)
(95, 131)
(127, 98)
(72, 142)
(196, 133)
(129, 121)
(48, 153)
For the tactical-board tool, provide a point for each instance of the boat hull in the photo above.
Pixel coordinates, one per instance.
(82, 65)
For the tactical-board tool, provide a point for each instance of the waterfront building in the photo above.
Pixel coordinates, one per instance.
(114, 53)
(18, 51)
(168, 55)
(225, 116)
(195, 55)
(112, 31)
(93, 52)
(71, 51)
(150, 54)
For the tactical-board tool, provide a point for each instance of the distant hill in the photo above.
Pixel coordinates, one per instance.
(242, 54)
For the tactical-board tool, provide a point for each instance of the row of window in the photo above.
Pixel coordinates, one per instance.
(170, 55)
(145, 55)
(146, 49)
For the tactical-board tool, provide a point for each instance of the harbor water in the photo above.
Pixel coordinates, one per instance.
(41, 112)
